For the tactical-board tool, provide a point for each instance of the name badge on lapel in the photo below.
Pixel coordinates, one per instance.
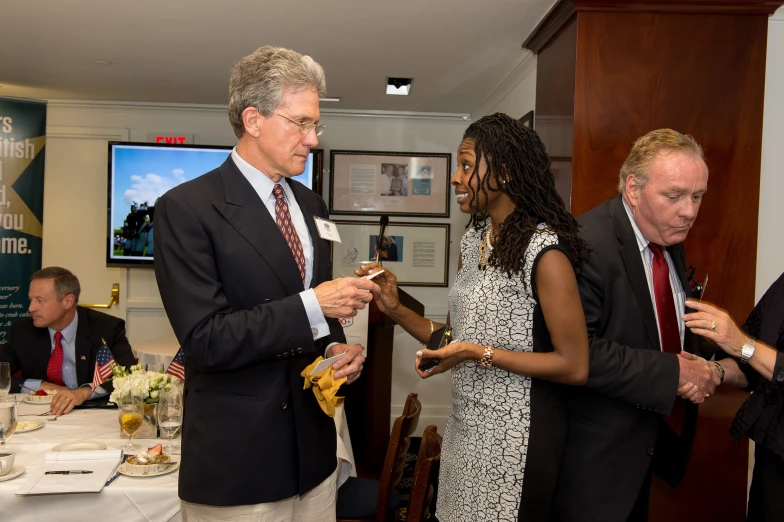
(327, 230)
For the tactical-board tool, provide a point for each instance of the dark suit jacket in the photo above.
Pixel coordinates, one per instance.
(28, 348)
(230, 286)
(616, 426)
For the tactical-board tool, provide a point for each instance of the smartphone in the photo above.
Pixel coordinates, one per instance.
(438, 340)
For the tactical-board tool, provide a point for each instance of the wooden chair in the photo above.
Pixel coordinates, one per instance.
(428, 464)
(365, 500)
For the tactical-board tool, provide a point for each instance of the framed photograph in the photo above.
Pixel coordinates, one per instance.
(418, 253)
(528, 119)
(389, 183)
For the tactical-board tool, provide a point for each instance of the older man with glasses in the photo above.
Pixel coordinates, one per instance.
(244, 276)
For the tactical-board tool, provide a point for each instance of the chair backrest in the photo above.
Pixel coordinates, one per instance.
(395, 459)
(428, 464)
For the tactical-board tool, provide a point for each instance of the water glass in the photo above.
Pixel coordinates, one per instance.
(5, 379)
(170, 416)
(7, 421)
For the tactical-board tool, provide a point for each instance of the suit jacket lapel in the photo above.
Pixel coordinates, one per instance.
(630, 252)
(678, 256)
(245, 212)
(83, 348)
(43, 346)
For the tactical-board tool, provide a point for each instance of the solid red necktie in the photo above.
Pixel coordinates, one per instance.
(283, 220)
(668, 324)
(54, 371)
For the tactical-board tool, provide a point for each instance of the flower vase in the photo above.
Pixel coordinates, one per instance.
(149, 427)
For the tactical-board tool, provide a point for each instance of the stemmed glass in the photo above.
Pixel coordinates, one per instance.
(130, 413)
(7, 421)
(5, 379)
(170, 416)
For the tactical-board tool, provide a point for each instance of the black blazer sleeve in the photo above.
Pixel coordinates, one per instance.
(216, 336)
(119, 346)
(633, 375)
(7, 354)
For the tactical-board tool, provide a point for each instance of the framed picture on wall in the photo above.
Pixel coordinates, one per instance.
(389, 183)
(418, 253)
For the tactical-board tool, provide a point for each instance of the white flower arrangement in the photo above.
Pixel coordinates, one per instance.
(138, 381)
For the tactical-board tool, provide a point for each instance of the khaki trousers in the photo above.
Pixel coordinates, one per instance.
(317, 505)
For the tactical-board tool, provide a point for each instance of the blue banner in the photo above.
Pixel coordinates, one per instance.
(22, 140)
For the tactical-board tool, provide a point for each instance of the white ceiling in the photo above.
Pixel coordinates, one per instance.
(181, 51)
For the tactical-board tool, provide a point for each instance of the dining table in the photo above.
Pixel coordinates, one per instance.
(127, 498)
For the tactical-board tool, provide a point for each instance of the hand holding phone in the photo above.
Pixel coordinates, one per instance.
(438, 340)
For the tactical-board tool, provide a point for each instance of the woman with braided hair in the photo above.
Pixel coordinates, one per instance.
(517, 324)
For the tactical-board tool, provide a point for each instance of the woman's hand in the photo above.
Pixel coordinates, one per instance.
(716, 325)
(451, 355)
(387, 282)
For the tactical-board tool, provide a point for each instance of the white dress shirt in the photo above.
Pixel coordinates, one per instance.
(679, 295)
(263, 186)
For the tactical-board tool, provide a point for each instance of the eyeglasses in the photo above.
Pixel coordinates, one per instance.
(306, 126)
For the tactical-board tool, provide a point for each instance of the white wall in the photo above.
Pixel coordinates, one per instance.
(75, 127)
(516, 94)
(770, 239)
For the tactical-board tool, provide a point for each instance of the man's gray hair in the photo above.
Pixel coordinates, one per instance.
(260, 79)
(648, 147)
(64, 281)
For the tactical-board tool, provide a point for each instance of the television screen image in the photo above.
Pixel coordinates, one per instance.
(140, 173)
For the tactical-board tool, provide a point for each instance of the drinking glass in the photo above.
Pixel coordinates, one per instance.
(7, 421)
(170, 416)
(5, 379)
(130, 413)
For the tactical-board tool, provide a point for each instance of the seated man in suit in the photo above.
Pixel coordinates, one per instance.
(55, 348)
(628, 422)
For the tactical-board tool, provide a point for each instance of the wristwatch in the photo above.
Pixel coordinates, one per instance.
(747, 351)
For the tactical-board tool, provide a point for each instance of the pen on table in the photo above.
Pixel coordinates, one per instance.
(69, 472)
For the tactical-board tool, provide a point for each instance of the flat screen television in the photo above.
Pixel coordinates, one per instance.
(140, 173)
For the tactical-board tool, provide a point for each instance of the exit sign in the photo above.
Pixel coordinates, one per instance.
(169, 139)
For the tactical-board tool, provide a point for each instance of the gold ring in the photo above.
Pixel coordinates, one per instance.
(67, 400)
(713, 326)
(707, 395)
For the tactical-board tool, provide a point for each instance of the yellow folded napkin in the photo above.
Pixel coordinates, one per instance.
(325, 387)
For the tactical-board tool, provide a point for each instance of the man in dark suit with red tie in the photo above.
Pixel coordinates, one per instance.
(244, 276)
(56, 347)
(636, 416)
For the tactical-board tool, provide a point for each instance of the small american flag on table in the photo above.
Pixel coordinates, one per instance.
(177, 366)
(103, 365)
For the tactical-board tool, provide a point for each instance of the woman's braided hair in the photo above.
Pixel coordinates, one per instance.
(518, 163)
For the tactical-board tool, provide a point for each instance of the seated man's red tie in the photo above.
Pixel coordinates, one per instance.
(54, 371)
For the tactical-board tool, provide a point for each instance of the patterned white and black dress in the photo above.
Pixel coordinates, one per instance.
(505, 435)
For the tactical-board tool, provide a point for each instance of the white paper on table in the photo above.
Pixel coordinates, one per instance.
(103, 465)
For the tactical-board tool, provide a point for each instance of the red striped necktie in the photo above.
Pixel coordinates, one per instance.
(283, 220)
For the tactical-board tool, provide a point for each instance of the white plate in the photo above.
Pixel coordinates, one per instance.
(23, 426)
(80, 446)
(15, 472)
(124, 471)
(37, 399)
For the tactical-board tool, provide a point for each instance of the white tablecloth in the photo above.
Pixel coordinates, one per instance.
(128, 499)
